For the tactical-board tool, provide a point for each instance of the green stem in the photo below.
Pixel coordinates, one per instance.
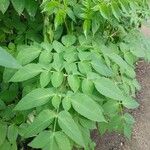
(46, 22)
(55, 122)
(68, 31)
(65, 5)
(121, 109)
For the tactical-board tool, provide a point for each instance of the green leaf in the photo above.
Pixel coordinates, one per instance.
(2, 105)
(87, 86)
(116, 10)
(95, 25)
(129, 118)
(47, 46)
(84, 56)
(68, 40)
(41, 140)
(58, 62)
(89, 144)
(8, 73)
(71, 68)
(44, 138)
(56, 100)
(130, 72)
(69, 127)
(45, 78)
(4, 4)
(18, 5)
(137, 51)
(45, 57)
(66, 103)
(102, 68)
(28, 53)
(5, 146)
(57, 79)
(84, 67)
(41, 122)
(7, 60)
(118, 60)
(102, 127)
(88, 124)
(71, 14)
(3, 132)
(14, 146)
(86, 26)
(27, 72)
(104, 10)
(12, 133)
(116, 123)
(31, 7)
(70, 56)
(124, 5)
(48, 140)
(111, 107)
(87, 107)
(62, 141)
(35, 98)
(52, 143)
(137, 84)
(58, 47)
(109, 89)
(130, 103)
(93, 76)
(59, 18)
(50, 6)
(74, 82)
(128, 130)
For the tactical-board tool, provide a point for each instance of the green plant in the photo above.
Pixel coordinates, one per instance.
(76, 74)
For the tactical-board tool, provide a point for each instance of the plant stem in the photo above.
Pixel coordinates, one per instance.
(68, 31)
(46, 27)
(55, 122)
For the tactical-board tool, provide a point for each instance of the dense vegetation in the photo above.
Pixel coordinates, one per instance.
(72, 70)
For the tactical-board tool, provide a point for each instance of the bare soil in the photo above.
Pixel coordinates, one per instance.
(141, 133)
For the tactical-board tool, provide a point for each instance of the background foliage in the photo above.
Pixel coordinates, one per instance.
(74, 70)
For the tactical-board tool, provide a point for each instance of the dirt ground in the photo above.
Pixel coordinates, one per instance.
(141, 133)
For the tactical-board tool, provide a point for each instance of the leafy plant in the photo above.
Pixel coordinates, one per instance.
(76, 71)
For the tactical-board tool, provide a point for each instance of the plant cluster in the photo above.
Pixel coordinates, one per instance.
(73, 70)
